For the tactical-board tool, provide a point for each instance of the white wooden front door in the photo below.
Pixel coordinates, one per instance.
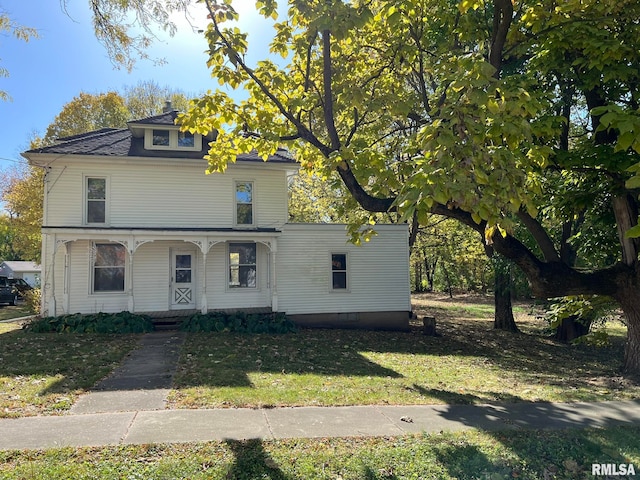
(183, 292)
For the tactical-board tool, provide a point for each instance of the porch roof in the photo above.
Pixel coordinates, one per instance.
(132, 238)
(129, 230)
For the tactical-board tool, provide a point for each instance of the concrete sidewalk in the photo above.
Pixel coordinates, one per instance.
(128, 407)
(177, 426)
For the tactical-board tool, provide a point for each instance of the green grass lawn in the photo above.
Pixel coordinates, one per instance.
(469, 363)
(44, 373)
(469, 455)
(7, 312)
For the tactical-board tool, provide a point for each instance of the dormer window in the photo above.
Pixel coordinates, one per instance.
(186, 139)
(171, 139)
(161, 138)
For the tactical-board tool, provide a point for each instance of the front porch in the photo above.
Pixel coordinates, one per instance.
(168, 273)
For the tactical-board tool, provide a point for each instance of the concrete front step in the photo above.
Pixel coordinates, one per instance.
(167, 324)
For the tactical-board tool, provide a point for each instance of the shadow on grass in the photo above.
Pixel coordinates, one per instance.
(251, 461)
(536, 440)
(227, 360)
(449, 397)
(549, 455)
(78, 360)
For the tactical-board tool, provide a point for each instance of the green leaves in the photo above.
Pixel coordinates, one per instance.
(465, 5)
(123, 322)
(625, 122)
(267, 8)
(239, 322)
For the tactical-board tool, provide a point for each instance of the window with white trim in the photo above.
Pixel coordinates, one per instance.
(242, 265)
(109, 260)
(186, 140)
(96, 199)
(171, 139)
(339, 271)
(244, 203)
(161, 138)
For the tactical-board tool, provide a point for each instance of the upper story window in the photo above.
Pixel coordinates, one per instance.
(96, 195)
(171, 139)
(244, 203)
(186, 139)
(161, 138)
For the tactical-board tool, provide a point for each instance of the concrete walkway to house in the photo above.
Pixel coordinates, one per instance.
(141, 382)
(129, 407)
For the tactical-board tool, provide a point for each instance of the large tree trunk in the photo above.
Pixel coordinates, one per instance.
(503, 317)
(630, 302)
(571, 328)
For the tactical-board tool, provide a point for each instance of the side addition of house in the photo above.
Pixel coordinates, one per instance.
(132, 222)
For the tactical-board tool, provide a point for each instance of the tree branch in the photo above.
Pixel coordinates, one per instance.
(366, 201)
(304, 132)
(327, 91)
(502, 16)
(541, 237)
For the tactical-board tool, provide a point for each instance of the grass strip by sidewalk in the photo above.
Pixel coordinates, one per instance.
(44, 373)
(535, 455)
(14, 311)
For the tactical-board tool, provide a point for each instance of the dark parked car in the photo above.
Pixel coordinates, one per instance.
(8, 293)
(20, 285)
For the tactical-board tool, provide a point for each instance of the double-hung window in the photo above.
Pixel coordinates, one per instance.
(339, 271)
(244, 203)
(242, 265)
(109, 267)
(96, 194)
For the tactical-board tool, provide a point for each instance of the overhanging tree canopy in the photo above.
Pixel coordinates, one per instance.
(463, 110)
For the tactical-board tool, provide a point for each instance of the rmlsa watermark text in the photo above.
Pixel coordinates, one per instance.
(612, 469)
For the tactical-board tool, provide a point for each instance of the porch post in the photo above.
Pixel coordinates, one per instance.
(51, 294)
(131, 304)
(204, 306)
(274, 277)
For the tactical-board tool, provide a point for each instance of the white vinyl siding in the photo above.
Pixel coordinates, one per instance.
(155, 195)
(378, 278)
(151, 275)
(220, 295)
(151, 279)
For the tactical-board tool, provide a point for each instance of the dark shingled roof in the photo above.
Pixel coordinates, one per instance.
(166, 118)
(121, 143)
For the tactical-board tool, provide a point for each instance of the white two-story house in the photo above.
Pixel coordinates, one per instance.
(132, 222)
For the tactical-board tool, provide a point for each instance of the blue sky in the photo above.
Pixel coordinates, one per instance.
(66, 59)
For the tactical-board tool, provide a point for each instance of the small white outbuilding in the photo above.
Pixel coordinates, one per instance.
(28, 271)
